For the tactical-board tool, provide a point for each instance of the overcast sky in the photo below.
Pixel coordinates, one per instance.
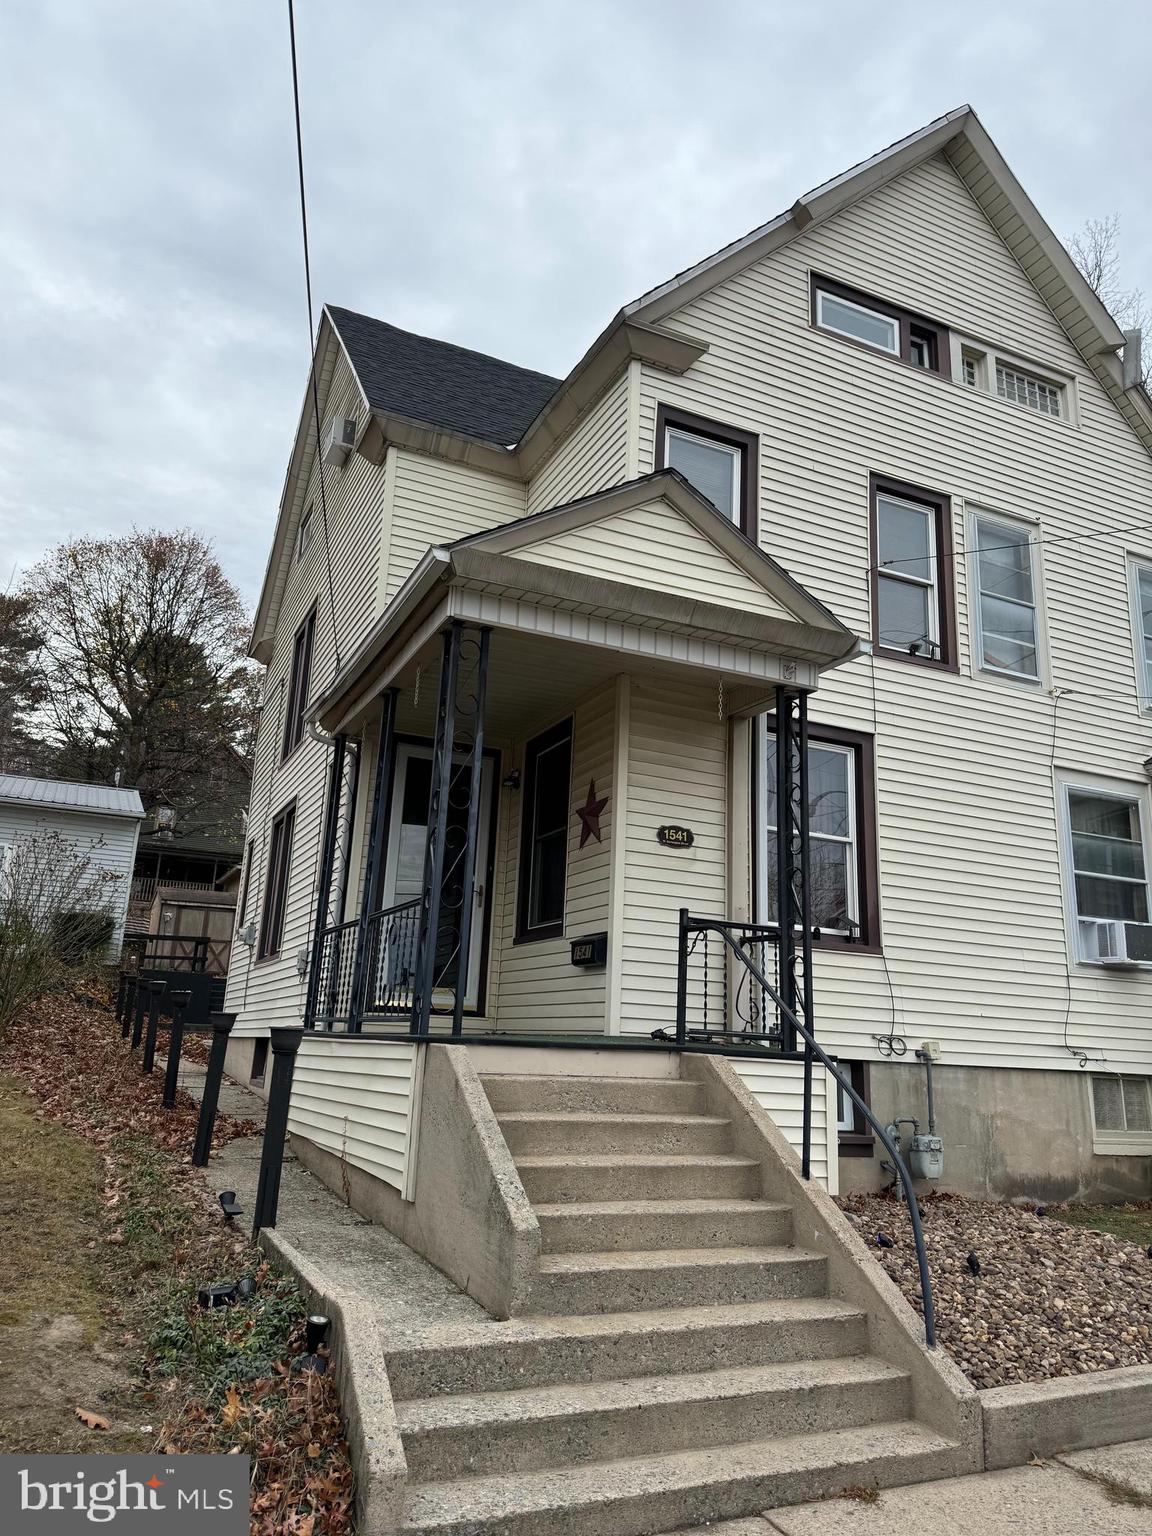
(503, 175)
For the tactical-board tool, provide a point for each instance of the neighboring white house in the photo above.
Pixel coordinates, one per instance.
(100, 823)
(887, 449)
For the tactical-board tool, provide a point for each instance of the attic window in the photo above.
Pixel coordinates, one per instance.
(1036, 394)
(878, 325)
(994, 374)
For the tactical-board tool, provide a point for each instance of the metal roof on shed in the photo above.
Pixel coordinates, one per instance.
(62, 795)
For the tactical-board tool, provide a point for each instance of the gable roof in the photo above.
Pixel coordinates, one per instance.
(66, 795)
(532, 537)
(961, 138)
(440, 383)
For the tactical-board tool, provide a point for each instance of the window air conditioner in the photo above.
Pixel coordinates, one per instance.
(1120, 944)
(339, 440)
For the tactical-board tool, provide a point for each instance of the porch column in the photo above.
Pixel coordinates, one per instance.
(377, 833)
(448, 895)
(324, 879)
(794, 881)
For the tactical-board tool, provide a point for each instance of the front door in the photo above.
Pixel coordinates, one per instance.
(404, 866)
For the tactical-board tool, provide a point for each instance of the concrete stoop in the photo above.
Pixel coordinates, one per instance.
(679, 1360)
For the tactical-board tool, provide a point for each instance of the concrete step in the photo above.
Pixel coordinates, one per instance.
(556, 1132)
(522, 1431)
(550, 1351)
(601, 1225)
(647, 1176)
(647, 1279)
(595, 1095)
(646, 1494)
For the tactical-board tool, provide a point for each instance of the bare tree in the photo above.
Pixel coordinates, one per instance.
(142, 664)
(1096, 251)
(56, 916)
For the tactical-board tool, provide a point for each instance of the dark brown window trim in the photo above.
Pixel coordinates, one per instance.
(941, 505)
(859, 1141)
(869, 940)
(562, 731)
(299, 682)
(936, 334)
(274, 899)
(732, 437)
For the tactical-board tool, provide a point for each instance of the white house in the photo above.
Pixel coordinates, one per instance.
(97, 823)
(822, 582)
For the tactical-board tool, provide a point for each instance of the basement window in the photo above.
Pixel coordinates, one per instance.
(1121, 1115)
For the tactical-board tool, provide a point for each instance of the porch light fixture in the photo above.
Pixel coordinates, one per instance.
(512, 780)
(1147, 766)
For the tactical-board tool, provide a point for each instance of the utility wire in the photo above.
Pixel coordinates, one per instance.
(1028, 542)
(311, 332)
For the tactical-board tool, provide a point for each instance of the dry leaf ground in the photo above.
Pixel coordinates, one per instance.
(106, 1232)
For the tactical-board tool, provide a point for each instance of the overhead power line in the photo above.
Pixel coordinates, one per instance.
(311, 332)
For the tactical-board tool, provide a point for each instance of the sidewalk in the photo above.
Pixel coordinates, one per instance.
(1105, 1492)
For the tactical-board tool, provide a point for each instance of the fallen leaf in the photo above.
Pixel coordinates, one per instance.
(313, 1448)
(92, 1420)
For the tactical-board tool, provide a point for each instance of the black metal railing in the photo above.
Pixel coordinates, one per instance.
(153, 952)
(336, 986)
(391, 941)
(717, 1002)
(813, 1051)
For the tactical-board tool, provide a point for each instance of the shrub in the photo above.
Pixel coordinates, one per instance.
(56, 917)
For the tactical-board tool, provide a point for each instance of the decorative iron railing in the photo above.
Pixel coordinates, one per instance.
(336, 986)
(794, 1027)
(718, 1002)
(391, 939)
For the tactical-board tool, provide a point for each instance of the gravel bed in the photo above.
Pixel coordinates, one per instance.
(1050, 1299)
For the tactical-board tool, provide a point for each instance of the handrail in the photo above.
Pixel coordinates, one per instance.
(845, 1083)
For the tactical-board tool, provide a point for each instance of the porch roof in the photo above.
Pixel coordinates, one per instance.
(695, 592)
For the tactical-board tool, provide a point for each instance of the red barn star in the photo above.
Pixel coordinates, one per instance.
(590, 813)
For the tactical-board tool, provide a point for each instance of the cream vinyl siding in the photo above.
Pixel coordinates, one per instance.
(109, 841)
(591, 458)
(677, 773)
(778, 1087)
(654, 546)
(538, 989)
(971, 899)
(435, 502)
(359, 1101)
(271, 991)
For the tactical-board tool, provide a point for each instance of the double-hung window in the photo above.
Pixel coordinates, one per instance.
(1109, 869)
(1004, 597)
(841, 841)
(547, 795)
(720, 461)
(275, 904)
(912, 610)
(298, 683)
(1140, 584)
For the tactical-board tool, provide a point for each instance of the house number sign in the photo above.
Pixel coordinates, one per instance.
(675, 837)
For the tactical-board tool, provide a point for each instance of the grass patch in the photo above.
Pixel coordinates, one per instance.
(50, 1198)
(1129, 1223)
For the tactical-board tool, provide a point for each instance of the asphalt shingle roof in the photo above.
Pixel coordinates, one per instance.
(439, 383)
(63, 795)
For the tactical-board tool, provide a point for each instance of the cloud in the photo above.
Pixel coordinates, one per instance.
(505, 175)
